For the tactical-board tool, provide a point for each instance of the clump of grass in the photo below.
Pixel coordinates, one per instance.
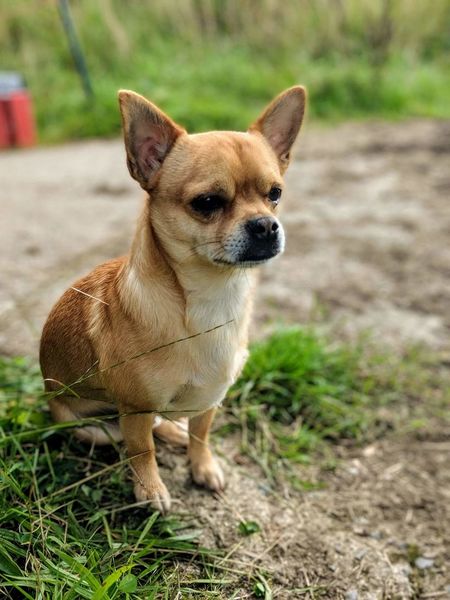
(298, 391)
(295, 373)
(308, 391)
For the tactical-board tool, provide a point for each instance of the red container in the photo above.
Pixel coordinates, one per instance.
(5, 129)
(17, 124)
(22, 119)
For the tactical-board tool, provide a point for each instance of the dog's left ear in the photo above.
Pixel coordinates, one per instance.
(281, 121)
(149, 136)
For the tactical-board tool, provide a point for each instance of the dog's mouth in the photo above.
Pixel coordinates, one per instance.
(249, 258)
(243, 262)
(242, 252)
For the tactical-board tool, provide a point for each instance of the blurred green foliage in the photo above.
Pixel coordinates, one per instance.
(214, 64)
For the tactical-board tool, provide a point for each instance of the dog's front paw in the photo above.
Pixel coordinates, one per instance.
(207, 472)
(155, 493)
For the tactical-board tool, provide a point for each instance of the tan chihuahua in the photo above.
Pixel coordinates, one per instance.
(163, 332)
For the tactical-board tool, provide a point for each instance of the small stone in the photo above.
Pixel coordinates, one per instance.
(265, 489)
(361, 553)
(376, 535)
(351, 595)
(360, 531)
(406, 569)
(423, 563)
(370, 450)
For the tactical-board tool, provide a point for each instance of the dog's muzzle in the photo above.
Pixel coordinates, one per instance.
(265, 239)
(254, 242)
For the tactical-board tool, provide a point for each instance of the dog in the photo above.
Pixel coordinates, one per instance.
(151, 340)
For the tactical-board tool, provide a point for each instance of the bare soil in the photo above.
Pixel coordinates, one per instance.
(368, 226)
(361, 531)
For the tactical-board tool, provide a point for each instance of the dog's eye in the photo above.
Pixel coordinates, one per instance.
(274, 195)
(206, 205)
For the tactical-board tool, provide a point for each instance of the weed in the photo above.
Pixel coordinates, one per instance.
(249, 527)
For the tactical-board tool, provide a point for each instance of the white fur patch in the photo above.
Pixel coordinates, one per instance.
(157, 420)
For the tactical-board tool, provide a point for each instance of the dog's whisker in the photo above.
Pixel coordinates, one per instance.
(218, 240)
(193, 252)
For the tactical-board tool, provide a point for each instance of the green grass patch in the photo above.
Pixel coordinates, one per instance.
(299, 391)
(303, 391)
(69, 525)
(230, 89)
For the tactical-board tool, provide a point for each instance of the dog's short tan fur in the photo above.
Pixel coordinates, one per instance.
(182, 277)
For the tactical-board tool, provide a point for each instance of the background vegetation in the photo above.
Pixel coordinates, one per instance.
(213, 64)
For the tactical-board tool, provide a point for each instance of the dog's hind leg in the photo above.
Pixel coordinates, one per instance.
(68, 408)
(172, 432)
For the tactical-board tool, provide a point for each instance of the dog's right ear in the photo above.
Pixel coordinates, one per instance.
(149, 136)
(281, 122)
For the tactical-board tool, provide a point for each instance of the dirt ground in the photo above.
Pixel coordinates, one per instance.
(360, 536)
(368, 226)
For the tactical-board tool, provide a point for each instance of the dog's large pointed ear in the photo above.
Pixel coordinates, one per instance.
(280, 122)
(149, 136)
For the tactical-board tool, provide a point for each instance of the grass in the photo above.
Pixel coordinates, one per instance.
(303, 391)
(69, 527)
(215, 66)
(299, 392)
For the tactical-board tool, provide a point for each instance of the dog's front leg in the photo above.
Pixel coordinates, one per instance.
(205, 468)
(138, 437)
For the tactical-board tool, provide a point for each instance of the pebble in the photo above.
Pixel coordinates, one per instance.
(265, 489)
(361, 553)
(351, 595)
(423, 563)
(353, 471)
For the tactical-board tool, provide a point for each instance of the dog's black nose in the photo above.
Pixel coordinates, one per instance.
(263, 228)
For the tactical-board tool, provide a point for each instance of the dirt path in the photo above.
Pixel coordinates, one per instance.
(368, 223)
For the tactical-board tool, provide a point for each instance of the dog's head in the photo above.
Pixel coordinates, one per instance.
(213, 196)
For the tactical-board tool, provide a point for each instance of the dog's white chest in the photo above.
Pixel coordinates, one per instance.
(208, 364)
(194, 374)
(204, 371)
